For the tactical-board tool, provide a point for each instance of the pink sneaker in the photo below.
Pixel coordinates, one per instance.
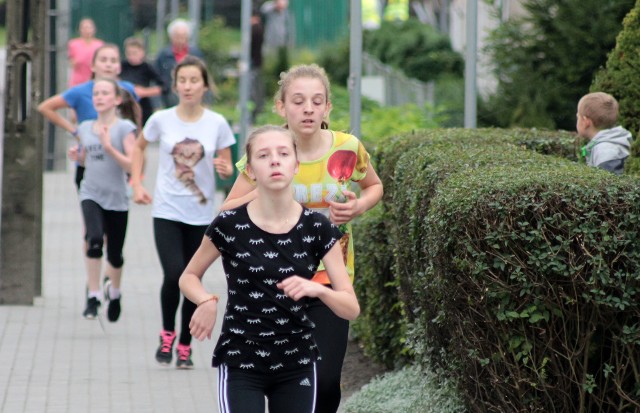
(163, 354)
(184, 357)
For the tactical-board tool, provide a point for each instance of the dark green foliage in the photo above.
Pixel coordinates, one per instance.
(217, 41)
(382, 323)
(416, 49)
(544, 61)
(518, 273)
(619, 78)
(540, 268)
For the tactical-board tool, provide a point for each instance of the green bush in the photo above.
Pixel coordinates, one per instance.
(382, 322)
(410, 390)
(533, 277)
(220, 46)
(414, 48)
(417, 49)
(517, 272)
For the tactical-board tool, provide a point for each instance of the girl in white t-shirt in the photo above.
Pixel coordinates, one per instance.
(189, 137)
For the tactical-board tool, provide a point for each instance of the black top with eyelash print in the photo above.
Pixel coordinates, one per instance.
(263, 329)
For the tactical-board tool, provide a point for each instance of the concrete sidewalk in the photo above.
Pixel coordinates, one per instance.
(53, 360)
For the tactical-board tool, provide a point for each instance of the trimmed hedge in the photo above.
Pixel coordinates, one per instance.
(517, 273)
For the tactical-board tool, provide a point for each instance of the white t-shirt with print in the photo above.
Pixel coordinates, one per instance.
(185, 183)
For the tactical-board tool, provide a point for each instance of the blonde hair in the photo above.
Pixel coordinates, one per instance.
(265, 129)
(601, 108)
(312, 71)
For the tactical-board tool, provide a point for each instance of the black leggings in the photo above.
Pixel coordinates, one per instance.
(241, 391)
(176, 242)
(331, 334)
(100, 222)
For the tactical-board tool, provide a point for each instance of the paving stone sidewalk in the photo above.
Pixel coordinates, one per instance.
(52, 360)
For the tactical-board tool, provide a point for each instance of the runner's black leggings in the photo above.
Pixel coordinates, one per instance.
(241, 391)
(100, 223)
(331, 334)
(176, 242)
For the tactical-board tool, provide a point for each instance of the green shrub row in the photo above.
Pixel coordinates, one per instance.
(409, 390)
(515, 272)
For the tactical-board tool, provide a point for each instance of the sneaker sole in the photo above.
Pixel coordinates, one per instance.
(106, 283)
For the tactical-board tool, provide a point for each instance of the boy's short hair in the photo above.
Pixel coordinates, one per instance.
(134, 42)
(601, 108)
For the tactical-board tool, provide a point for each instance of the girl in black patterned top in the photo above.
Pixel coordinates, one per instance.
(270, 248)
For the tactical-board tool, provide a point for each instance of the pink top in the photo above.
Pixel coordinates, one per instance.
(81, 52)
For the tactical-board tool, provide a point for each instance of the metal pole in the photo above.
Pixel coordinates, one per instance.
(355, 66)
(243, 67)
(50, 66)
(470, 90)
(175, 9)
(161, 9)
(194, 16)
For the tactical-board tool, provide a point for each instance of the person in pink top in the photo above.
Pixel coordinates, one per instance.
(80, 52)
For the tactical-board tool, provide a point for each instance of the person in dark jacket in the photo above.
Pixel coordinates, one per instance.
(179, 31)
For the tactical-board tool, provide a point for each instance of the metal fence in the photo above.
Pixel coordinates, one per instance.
(397, 88)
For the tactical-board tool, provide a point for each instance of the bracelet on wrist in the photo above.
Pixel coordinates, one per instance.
(212, 298)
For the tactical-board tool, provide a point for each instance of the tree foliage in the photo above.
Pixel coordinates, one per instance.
(545, 60)
(417, 49)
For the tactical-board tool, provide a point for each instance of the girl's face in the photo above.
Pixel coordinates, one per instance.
(305, 105)
(107, 63)
(104, 96)
(190, 85)
(273, 160)
(87, 29)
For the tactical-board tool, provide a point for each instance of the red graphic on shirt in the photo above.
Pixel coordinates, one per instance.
(341, 165)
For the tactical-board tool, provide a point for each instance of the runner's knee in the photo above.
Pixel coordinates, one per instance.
(94, 249)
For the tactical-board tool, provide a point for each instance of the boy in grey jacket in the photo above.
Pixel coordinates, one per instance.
(609, 144)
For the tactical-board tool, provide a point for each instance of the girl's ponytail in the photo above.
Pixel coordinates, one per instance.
(130, 109)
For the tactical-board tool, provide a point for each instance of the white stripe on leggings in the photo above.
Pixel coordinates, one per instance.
(223, 403)
(315, 380)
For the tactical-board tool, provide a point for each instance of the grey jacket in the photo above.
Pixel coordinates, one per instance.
(609, 149)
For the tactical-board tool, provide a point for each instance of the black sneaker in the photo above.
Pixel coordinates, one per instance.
(91, 311)
(163, 354)
(113, 310)
(184, 357)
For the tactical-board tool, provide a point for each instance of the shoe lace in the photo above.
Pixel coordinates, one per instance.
(184, 352)
(167, 341)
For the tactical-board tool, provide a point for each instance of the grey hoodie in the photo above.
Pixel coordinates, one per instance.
(609, 149)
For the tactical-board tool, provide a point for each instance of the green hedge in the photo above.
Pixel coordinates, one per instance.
(516, 273)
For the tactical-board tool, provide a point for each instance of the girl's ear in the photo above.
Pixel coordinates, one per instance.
(295, 171)
(329, 107)
(280, 109)
(249, 172)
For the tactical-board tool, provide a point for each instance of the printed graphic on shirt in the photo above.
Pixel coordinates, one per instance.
(263, 329)
(186, 154)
